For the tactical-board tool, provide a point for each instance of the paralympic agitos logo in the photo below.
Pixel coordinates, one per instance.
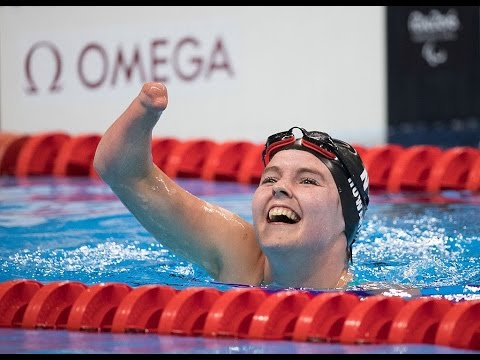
(186, 59)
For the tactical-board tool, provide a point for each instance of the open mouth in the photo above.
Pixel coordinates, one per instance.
(283, 215)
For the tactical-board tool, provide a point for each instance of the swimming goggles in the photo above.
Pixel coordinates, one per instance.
(322, 143)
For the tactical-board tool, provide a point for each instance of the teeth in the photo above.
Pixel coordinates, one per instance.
(278, 211)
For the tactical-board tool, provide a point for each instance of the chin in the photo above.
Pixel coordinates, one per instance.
(276, 244)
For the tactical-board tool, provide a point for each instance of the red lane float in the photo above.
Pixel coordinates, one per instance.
(418, 320)
(141, 309)
(95, 308)
(473, 179)
(188, 158)
(251, 168)
(379, 160)
(451, 169)
(223, 163)
(50, 305)
(10, 146)
(161, 150)
(37, 156)
(75, 157)
(276, 316)
(186, 312)
(323, 317)
(460, 327)
(369, 322)
(253, 313)
(14, 298)
(412, 168)
(231, 315)
(391, 167)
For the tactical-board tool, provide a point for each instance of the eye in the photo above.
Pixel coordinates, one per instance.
(269, 180)
(309, 181)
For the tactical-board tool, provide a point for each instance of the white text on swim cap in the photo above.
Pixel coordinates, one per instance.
(356, 194)
(358, 199)
(364, 178)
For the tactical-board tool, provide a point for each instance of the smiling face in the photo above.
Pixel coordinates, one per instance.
(296, 207)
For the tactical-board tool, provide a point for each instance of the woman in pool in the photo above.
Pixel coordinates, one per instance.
(307, 209)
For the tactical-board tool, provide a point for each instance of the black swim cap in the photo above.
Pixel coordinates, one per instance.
(345, 165)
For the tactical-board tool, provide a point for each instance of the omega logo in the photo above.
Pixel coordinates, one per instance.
(187, 59)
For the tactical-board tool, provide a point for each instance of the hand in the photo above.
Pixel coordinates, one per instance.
(153, 96)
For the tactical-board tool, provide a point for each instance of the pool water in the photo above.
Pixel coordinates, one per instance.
(75, 228)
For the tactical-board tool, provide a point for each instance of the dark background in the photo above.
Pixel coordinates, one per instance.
(433, 75)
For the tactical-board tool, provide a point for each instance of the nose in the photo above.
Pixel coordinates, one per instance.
(279, 189)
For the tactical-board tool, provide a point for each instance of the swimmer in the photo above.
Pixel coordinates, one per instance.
(307, 208)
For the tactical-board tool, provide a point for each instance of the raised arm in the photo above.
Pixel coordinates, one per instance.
(124, 152)
(218, 240)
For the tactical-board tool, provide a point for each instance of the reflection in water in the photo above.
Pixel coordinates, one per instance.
(18, 341)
